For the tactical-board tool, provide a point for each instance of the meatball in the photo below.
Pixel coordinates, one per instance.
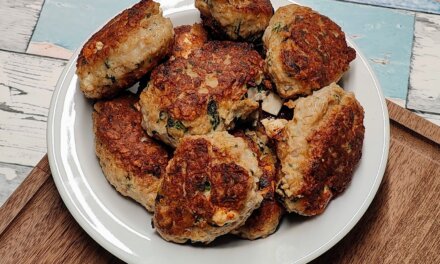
(124, 50)
(319, 149)
(264, 220)
(131, 161)
(205, 92)
(210, 188)
(305, 51)
(235, 20)
(187, 39)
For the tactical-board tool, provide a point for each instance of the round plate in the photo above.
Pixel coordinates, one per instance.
(123, 227)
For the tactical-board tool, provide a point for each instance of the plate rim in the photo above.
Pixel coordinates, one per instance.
(66, 77)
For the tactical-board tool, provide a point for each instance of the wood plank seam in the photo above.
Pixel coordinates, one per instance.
(43, 164)
(17, 22)
(36, 23)
(414, 122)
(33, 55)
(428, 141)
(22, 195)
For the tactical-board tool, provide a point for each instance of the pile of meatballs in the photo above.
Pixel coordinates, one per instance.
(236, 121)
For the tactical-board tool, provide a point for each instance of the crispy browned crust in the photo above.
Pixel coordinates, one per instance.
(213, 27)
(199, 181)
(115, 32)
(93, 60)
(335, 150)
(237, 14)
(171, 80)
(318, 50)
(251, 7)
(123, 146)
(264, 220)
(188, 38)
(313, 51)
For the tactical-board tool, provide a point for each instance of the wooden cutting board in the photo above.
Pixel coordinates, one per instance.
(401, 226)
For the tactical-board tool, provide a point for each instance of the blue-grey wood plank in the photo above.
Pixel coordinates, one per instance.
(429, 6)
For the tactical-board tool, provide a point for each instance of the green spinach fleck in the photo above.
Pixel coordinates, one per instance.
(213, 114)
(177, 124)
(207, 186)
(277, 28)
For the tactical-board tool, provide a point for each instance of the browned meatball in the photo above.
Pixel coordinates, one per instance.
(132, 162)
(236, 19)
(319, 149)
(203, 93)
(124, 50)
(305, 51)
(210, 188)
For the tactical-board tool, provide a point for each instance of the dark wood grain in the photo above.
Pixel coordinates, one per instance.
(401, 225)
(13, 206)
(45, 232)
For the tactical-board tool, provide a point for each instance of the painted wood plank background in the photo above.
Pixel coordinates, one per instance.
(26, 86)
(17, 22)
(424, 89)
(429, 6)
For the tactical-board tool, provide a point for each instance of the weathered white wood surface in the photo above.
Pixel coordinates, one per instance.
(424, 90)
(26, 85)
(17, 22)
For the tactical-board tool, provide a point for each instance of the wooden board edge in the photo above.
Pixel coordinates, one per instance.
(413, 122)
(24, 193)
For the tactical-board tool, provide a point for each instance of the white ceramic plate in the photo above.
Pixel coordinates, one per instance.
(123, 227)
